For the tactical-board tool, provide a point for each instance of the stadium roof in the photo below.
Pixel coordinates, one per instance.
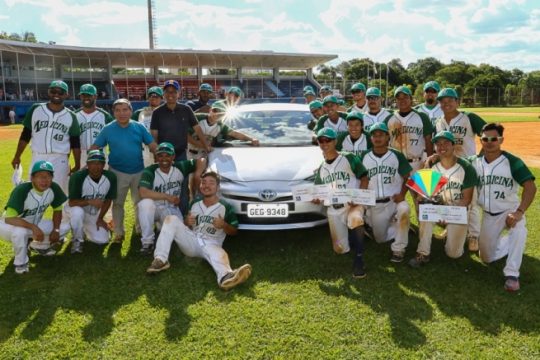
(118, 57)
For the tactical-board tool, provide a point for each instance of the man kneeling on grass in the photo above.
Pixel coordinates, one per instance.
(209, 220)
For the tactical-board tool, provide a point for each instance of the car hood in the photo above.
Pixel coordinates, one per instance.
(265, 163)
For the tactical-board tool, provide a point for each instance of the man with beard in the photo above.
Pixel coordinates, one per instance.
(431, 107)
(91, 118)
(201, 105)
(54, 131)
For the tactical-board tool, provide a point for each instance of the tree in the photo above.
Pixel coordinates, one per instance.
(424, 70)
(454, 74)
(26, 36)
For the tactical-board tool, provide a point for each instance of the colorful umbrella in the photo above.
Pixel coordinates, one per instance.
(427, 182)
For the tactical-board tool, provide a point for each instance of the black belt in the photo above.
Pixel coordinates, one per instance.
(414, 160)
(493, 214)
(194, 152)
(383, 200)
(338, 206)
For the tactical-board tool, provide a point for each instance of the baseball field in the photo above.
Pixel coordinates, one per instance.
(301, 301)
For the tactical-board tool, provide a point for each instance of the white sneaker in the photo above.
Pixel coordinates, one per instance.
(21, 269)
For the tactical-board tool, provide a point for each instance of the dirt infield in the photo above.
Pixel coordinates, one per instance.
(520, 139)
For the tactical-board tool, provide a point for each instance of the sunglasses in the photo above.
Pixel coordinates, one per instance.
(324, 140)
(490, 138)
(56, 92)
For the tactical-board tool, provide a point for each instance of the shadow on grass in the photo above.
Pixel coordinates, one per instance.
(98, 283)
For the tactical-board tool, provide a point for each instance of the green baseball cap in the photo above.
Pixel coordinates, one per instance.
(95, 155)
(309, 92)
(88, 89)
(447, 92)
(155, 90)
(432, 85)
(373, 91)
(380, 126)
(206, 87)
(330, 98)
(220, 105)
(308, 88)
(355, 115)
(325, 88)
(234, 90)
(327, 133)
(445, 134)
(315, 104)
(358, 87)
(42, 165)
(402, 89)
(165, 147)
(59, 84)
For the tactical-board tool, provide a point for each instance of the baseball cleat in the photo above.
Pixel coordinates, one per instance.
(76, 246)
(147, 249)
(511, 284)
(397, 257)
(358, 268)
(21, 269)
(157, 266)
(419, 260)
(235, 277)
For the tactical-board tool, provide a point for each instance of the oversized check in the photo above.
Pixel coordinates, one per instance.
(448, 214)
(309, 192)
(356, 196)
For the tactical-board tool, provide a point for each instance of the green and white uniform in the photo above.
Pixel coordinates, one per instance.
(433, 112)
(50, 138)
(212, 133)
(464, 127)
(204, 240)
(498, 185)
(370, 119)
(346, 143)
(364, 109)
(407, 135)
(144, 116)
(388, 219)
(29, 204)
(344, 172)
(461, 176)
(153, 178)
(83, 219)
(90, 126)
(339, 126)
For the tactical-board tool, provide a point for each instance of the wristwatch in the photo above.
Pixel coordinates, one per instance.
(57, 230)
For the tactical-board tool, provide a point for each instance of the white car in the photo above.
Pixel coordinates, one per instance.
(257, 181)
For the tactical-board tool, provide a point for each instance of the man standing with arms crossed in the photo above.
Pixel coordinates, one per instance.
(202, 234)
(499, 176)
(431, 107)
(170, 123)
(53, 131)
(91, 118)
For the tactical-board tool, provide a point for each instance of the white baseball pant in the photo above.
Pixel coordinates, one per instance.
(455, 239)
(339, 221)
(191, 244)
(475, 216)
(390, 221)
(85, 223)
(19, 238)
(60, 164)
(150, 213)
(495, 245)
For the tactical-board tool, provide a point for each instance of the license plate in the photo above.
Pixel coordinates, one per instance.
(267, 210)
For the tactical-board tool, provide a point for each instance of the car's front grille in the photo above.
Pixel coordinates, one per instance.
(243, 206)
(253, 200)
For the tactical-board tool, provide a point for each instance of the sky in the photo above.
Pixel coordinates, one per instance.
(502, 33)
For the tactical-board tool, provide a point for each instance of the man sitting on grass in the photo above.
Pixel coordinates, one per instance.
(210, 219)
(22, 219)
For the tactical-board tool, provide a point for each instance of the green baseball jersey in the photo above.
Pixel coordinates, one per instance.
(339, 126)
(153, 178)
(91, 125)
(407, 133)
(460, 176)
(344, 172)
(31, 204)
(499, 180)
(144, 116)
(370, 119)
(212, 132)
(385, 172)
(51, 130)
(465, 126)
(204, 218)
(346, 143)
(82, 186)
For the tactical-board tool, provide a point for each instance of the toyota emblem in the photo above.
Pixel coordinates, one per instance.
(267, 195)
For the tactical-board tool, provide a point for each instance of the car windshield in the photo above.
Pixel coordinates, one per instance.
(272, 127)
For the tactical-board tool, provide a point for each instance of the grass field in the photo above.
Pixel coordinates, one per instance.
(507, 114)
(300, 302)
